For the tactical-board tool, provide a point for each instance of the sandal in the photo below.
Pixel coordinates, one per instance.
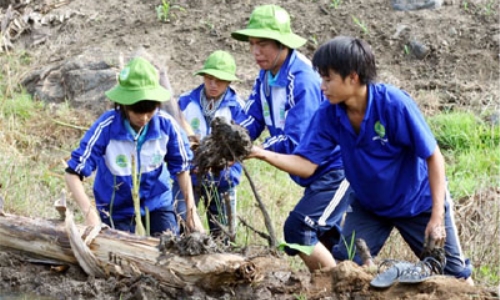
(421, 271)
(389, 271)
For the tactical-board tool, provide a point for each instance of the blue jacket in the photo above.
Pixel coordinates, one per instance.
(108, 147)
(286, 109)
(231, 108)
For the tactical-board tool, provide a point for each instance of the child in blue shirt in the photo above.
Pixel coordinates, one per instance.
(390, 155)
(214, 98)
(135, 130)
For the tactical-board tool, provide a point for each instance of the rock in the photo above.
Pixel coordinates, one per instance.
(418, 49)
(496, 39)
(399, 29)
(405, 5)
(80, 80)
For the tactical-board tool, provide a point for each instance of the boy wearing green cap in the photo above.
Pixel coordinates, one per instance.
(284, 98)
(134, 130)
(213, 98)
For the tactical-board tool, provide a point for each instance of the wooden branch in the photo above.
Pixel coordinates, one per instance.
(260, 233)
(267, 219)
(70, 125)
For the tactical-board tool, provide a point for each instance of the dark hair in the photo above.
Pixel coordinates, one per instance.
(344, 55)
(141, 107)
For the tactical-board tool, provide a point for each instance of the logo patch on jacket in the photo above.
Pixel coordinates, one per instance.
(380, 130)
(195, 124)
(122, 161)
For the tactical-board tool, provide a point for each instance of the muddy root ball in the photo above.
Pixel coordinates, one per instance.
(226, 144)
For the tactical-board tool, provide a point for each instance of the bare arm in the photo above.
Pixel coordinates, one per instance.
(75, 186)
(192, 219)
(437, 181)
(290, 163)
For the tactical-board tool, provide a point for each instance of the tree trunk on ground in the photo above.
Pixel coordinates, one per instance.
(121, 253)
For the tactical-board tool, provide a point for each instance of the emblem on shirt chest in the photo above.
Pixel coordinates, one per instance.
(266, 110)
(380, 131)
(121, 161)
(195, 124)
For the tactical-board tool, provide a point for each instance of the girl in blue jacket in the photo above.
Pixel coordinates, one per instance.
(134, 130)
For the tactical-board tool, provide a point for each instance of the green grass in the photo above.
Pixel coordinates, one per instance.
(471, 148)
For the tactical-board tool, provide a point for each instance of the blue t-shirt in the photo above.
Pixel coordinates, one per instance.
(386, 162)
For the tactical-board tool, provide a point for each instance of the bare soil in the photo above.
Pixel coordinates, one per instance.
(459, 69)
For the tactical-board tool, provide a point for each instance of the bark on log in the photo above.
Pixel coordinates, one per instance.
(125, 254)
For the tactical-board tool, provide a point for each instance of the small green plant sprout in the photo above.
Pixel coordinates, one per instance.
(314, 39)
(335, 3)
(351, 249)
(300, 296)
(164, 10)
(209, 25)
(407, 50)
(361, 25)
(465, 5)
(488, 8)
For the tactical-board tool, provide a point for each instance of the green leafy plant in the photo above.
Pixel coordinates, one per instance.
(314, 39)
(300, 296)
(209, 25)
(335, 3)
(164, 10)
(488, 8)
(361, 25)
(407, 50)
(351, 249)
(465, 5)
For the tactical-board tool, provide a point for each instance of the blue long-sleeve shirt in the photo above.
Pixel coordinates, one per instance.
(285, 105)
(108, 147)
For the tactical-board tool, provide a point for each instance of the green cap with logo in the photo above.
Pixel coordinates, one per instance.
(138, 81)
(220, 64)
(270, 22)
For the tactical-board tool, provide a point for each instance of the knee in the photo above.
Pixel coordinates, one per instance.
(462, 271)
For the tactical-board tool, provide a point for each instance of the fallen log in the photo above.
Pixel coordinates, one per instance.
(124, 254)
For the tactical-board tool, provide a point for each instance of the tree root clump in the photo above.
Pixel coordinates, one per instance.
(227, 143)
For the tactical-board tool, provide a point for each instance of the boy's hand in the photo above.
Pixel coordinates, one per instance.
(193, 221)
(435, 234)
(256, 152)
(194, 142)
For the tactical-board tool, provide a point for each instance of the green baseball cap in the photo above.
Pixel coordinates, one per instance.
(221, 65)
(270, 22)
(138, 81)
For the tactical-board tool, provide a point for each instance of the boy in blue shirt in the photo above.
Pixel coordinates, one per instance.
(214, 98)
(390, 156)
(284, 98)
